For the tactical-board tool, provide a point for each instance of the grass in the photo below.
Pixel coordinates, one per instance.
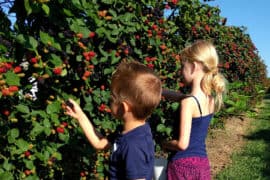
(253, 161)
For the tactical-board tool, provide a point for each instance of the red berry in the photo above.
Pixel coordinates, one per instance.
(64, 124)
(102, 87)
(34, 60)
(87, 73)
(181, 84)
(150, 66)
(126, 51)
(227, 65)
(6, 112)
(92, 34)
(174, 2)
(5, 92)
(79, 35)
(8, 65)
(91, 53)
(27, 153)
(3, 69)
(154, 27)
(85, 54)
(27, 172)
(207, 28)
(148, 59)
(163, 47)
(82, 174)
(13, 88)
(17, 69)
(57, 70)
(102, 107)
(60, 130)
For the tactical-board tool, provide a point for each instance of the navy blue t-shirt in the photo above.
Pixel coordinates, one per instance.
(133, 155)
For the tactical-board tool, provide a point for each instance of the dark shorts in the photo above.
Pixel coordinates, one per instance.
(191, 168)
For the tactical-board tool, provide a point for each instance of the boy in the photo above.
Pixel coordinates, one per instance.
(135, 93)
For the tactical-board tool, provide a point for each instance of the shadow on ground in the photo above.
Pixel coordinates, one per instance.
(264, 135)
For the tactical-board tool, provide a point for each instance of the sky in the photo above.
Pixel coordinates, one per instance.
(255, 16)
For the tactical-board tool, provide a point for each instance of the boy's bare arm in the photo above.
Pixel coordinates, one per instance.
(97, 140)
(172, 95)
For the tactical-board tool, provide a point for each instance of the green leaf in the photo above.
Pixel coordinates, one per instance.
(58, 155)
(53, 107)
(47, 131)
(12, 135)
(7, 166)
(76, 3)
(68, 12)
(39, 113)
(230, 110)
(27, 41)
(115, 59)
(22, 145)
(12, 78)
(49, 40)
(175, 106)
(79, 58)
(107, 1)
(46, 9)
(64, 72)
(161, 128)
(168, 131)
(230, 102)
(108, 71)
(6, 175)
(64, 137)
(29, 164)
(103, 59)
(27, 7)
(78, 26)
(56, 60)
(36, 130)
(23, 109)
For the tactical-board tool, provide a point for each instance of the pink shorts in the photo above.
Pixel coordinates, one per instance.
(191, 168)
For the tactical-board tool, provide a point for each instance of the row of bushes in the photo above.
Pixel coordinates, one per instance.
(70, 48)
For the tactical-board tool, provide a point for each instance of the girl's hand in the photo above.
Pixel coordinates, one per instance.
(164, 146)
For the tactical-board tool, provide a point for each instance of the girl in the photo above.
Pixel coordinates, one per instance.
(199, 69)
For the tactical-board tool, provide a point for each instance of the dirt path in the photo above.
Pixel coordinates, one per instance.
(222, 142)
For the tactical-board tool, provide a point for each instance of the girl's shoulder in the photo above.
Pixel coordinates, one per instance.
(188, 101)
(199, 105)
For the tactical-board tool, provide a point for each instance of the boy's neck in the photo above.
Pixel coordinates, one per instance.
(131, 124)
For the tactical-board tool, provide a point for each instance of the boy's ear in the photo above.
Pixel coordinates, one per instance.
(126, 106)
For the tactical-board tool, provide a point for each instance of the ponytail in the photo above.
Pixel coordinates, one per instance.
(214, 84)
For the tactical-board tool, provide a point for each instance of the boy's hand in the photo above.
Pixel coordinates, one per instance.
(69, 104)
(73, 109)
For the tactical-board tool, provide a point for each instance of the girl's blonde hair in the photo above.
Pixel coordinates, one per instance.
(213, 83)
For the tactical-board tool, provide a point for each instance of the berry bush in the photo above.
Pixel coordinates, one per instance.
(59, 49)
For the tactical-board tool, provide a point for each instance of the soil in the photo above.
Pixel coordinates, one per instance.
(222, 142)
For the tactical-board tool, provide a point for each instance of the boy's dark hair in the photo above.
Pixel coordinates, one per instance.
(138, 85)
